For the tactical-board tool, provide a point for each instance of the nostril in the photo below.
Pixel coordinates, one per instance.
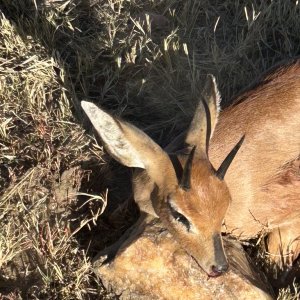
(224, 267)
(219, 269)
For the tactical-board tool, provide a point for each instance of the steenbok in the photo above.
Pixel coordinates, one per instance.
(184, 185)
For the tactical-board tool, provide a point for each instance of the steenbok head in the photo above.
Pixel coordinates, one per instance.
(183, 190)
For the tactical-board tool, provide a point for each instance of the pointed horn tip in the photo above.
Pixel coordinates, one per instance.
(192, 152)
(241, 141)
(238, 145)
(220, 173)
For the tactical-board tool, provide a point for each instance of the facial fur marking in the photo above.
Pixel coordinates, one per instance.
(219, 252)
(186, 176)
(179, 217)
(208, 123)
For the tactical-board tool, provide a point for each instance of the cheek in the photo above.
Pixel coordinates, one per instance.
(225, 208)
(218, 220)
(205, 226)
(197, 245)
(221, 208)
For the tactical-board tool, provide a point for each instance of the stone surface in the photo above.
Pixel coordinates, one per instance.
(151, 265)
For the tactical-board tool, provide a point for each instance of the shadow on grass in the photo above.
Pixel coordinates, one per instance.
(76, 34)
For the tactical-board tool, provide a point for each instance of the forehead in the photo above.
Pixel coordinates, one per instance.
(207, 191)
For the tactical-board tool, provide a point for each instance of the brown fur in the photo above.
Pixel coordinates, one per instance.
(264, 178)
(205, 206)
(157, 190)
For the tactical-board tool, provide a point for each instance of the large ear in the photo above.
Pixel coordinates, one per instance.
(205, 118)
(129, 145)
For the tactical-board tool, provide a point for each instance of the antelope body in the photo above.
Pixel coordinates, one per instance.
(264, 178)
(188, 193)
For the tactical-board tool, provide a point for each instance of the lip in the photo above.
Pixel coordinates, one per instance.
(214, 274)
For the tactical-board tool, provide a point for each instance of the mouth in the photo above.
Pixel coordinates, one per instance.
(214, 274)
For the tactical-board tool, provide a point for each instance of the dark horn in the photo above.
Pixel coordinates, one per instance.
(186, 175)
(228, 160)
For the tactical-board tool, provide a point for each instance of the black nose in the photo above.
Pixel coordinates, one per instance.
(220, 262)
(219, 269)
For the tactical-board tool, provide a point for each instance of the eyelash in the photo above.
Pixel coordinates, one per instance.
(179, 217)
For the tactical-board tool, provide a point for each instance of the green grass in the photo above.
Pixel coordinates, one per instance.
(54, 54)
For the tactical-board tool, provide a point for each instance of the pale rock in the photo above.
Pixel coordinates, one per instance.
(151, 265)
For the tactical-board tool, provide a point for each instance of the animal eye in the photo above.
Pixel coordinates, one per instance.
(179, 217)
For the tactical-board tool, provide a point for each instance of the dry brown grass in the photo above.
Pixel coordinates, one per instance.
(54, 54)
